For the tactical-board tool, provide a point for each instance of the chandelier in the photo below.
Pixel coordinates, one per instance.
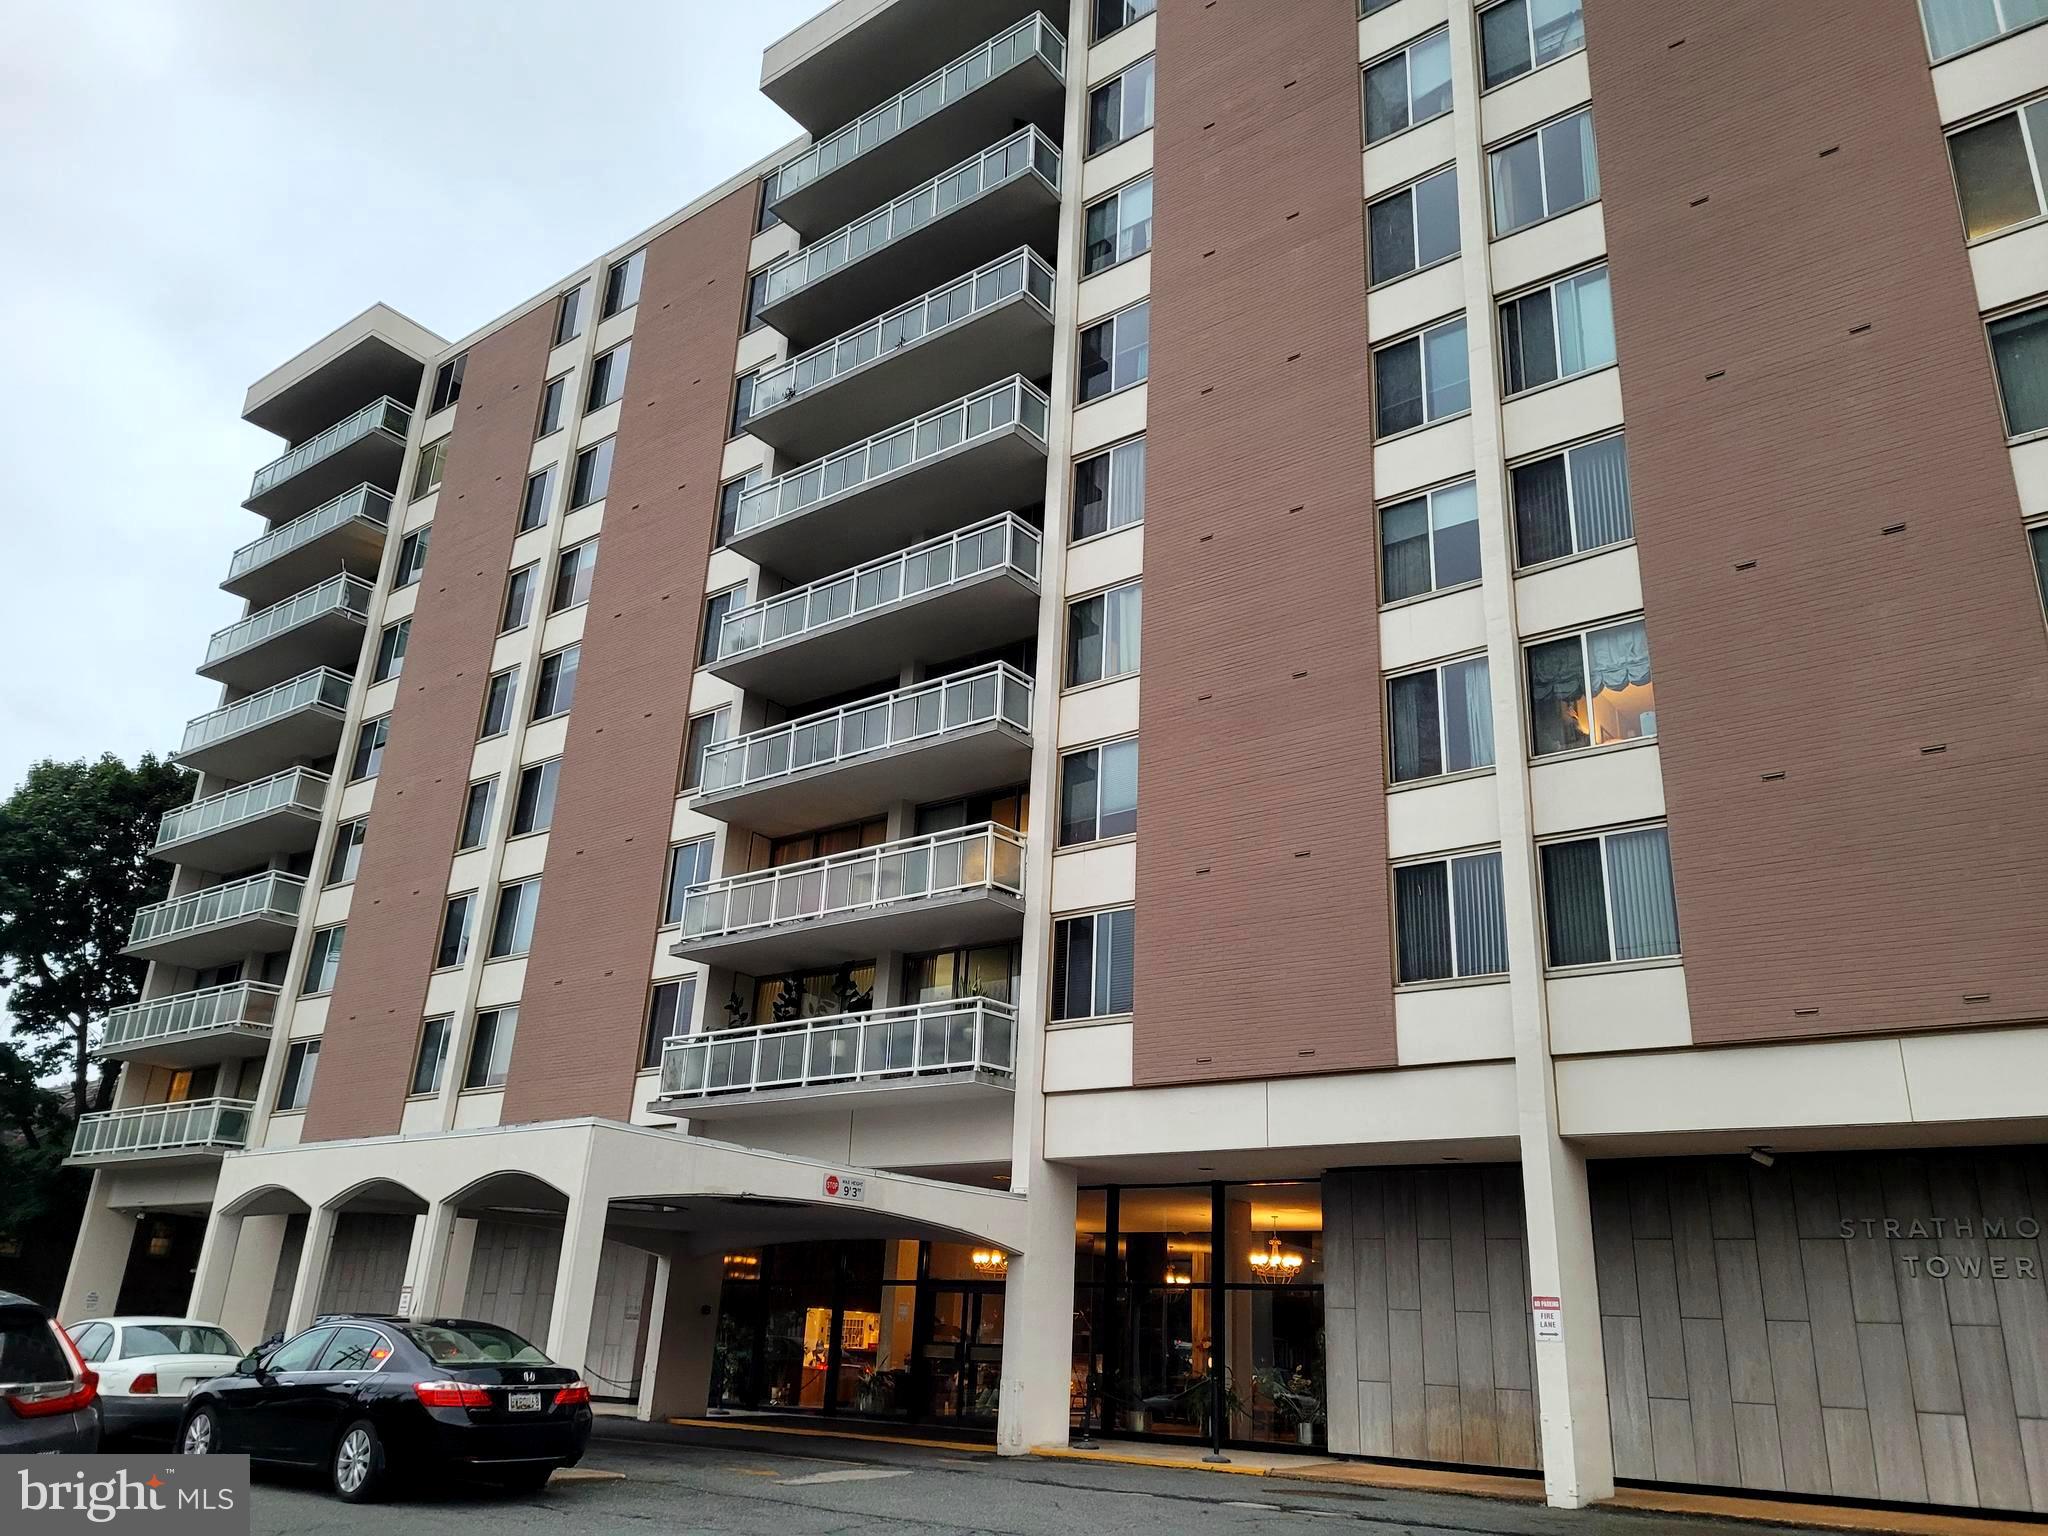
(1178, 1276)
(992, 1262)
(1277, 1264)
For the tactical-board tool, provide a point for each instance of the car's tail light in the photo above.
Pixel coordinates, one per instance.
(573, 1395)
(143, 1384)
(44, 1399)
(451, 1394)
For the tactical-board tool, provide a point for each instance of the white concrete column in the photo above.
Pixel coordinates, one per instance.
(426, 1261)
(682, 1336)
(216, 1264)
(252, 1276)
(1038, 1321)
(312, 1269)
(99, 1259)
(450, 1300)
(568, 1340)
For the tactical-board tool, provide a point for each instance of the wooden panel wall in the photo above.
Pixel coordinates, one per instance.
(366, 1262)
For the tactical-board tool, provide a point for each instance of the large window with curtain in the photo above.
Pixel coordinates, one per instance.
(1118, 227)
(1562, 329)
(1109, 490)
(2001, 169)
(2019, 345)
(2037, 538)
(1955, 25)
(1546, 172)
(1429, 543)
(1421, 379)
(1450, 919)
(1522, 35)
(1571, 502)
(1102, 635)
(1440, 720)
(1591, 689)
(1099, 792)
(1092, 960)
(1609, 898)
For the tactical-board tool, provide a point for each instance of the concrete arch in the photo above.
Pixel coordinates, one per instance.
(510, 1192)
(381, 1195)
(265, 1200)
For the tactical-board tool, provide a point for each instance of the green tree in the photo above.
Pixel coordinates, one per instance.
(41, 1201)
(74, 866)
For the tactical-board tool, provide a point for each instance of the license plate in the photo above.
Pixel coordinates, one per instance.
(524, 1402)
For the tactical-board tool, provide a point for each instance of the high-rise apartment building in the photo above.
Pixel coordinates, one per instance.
(682, 868)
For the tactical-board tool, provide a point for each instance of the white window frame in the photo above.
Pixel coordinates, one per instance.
(540, 674)
(323, 950)
(631, 272)
(546, 476)
(381, 723)
(604, 375)
(1417, 339)
(1450, 914)
(1529, 30)
(591, 452)
(433, 1089)
(1113, 323)
(298, 1083)
(1096, 971)
(1130, 19)
(490, 787)
(391, 643)
(1571, 497)
(484, 731)
(1116, 259)
(1124, 131)
(1542, 174)
(412, 557)
(2004, 31)
(583, 574)
(668, 872)
(1428, 498)
(435, 453)
(2037, 163)
(476, 1040)
(1405, 53)
(1585, 638)
(1443, 724)
(528, 888)
(1602, 837)
(1111, 525)
(1137, 584)
(349, 837)
(1060, 810)
(1374, 280)
(1500, 313)
(554, 396)
(468, 938)
(518, 791)
(531, 573)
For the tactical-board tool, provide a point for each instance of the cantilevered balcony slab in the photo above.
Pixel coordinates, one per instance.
(192, 1029)
(379, 352)
(946, 470)
(299, 718)
(220, 924)
(368, 445)
(247, 825)
(1004, 197)
(194, 1131)
(345, 534)
(958, 594)
(935, 741)
(943, 891)
(1014, 77)
(938, 347)
(319, 627)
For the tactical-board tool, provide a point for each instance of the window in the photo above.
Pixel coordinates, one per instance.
(1116, 353)
(412, 556)
(608, 377)
(757, 295)
(426, 476)
(765, 216)
(575, 567)
(1622, 705)
(1609, 898)
(1118, 228)
(1099, 793)
(502, 689)
(476, 815)
(1526, 34)
(370, 739)
(448, 383)
(688, 864)
(512, 928)
(2038, 539)
(2019, 345)
(1120, 109)
(1429, 542)
(593, 474)
(2000, 169)
(1570, 502)
(716, 607)
(622, 284)
(1543, 174)
(490, 1053)
(1109, 490)
(391, 650)
(1564, 329)
(743, 402)
(1409, 87)
(729, 495)
(323, 960)
(347, 856)
(518, 609)
(533, 810)
(1091, 964)
(1953, 25)
(1102, 635)
(553, 394)
(431, 1058)
(706, 731)
(1416, 227)
(569, 314)
(1440, 720)
(1115, 15)
(669, 1008)
(557, 689)
(1422, 379)
(533, 507)
(457, 918)
(1450, 919)
(296, 1086)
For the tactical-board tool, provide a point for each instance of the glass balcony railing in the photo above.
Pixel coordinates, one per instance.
(1033, 35)
(1001, 542)
(979, 859)
(385, 415)
(1026, 152)
(1016, 402)
(322, 688)
(295, 788)
(365, 502)
(984, 696)
(1019, 272)
(165, 1020)
(337, 594)
(151, 1130)
(269, 895)
(969, 1034)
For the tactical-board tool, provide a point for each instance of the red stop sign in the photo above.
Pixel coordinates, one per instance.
(831, 1183)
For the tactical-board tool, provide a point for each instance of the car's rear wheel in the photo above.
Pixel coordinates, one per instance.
(201, 1434)
(527, 1479)
(358, 1471)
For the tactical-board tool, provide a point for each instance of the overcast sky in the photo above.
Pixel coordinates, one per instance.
(191, 191)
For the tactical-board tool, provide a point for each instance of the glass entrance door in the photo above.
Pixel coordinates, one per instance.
(960, 1358)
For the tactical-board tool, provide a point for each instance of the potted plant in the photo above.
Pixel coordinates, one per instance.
(1296, 1400)
(788, 1006)
(737, 1015)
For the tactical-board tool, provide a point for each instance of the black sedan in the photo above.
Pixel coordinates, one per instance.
(381, 1400)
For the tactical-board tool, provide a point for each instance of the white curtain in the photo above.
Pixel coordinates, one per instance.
(1481, 913)
(1599, 476)
(1585, 323)
(1645, 912)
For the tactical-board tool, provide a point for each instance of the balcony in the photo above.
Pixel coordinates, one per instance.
(347, 534)
(957, 594)
(935, 741)
(368, 446)
(191, 1029)
(958, 1049)
(246, 825)
(1004, 197)
(220, 924)
(940, 891)
(195, 1131)
(321, 626)
(1016, 77)
(943, 344)
(945, 470)
(299, 718)
(825, 72)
